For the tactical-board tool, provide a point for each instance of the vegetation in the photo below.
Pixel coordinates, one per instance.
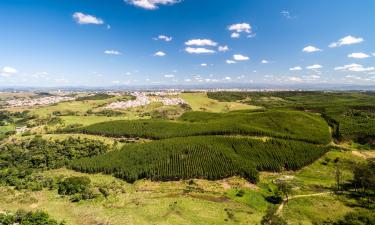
(100, 96)
(351, 114)
(27, 218)
(19, 160)
(206, 157)
(283, 124)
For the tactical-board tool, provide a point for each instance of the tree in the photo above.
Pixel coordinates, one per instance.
(285, 188)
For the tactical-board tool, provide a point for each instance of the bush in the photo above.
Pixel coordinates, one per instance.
(74, 185)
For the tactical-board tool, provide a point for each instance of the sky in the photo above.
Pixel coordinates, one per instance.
(49, 43)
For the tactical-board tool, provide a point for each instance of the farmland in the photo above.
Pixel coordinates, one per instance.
(219, 158)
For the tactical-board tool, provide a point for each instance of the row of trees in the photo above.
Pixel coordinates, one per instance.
(210, 157)
(282, 124)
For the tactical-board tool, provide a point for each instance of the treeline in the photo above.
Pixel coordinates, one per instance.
(209, 157)
(284, 124)
(19, 160)
(22, 217)
(350, 114)
(100, 96)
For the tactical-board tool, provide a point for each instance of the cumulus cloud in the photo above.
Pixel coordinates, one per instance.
(200, 42)
(112, 52)
(296, 68)
(310, 49)
(239, 28)
(164, 38)
(199, 50)
(151, 4)
(230, 61)
(314, 67)
(358, 55)
(235, 35)
(354, 68)
(239, 57)
(169, 76)
(82, 18)
(348, 40)
(224, 48)
(204, 64)
(10, 70)
(160, 54)
(264, 61)
(227, 78)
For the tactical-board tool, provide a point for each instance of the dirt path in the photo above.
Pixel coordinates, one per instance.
(281, 206)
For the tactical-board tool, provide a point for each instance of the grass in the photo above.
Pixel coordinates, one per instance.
(7, 128)
(314, 210)
(143, 202)
(201, 102)
(88, 120)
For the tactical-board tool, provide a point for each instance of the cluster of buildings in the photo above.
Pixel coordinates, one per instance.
(143, 99)
(171, 101)
(38, 101)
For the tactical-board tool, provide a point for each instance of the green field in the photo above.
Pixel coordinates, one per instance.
(219, 160)
(200, 102)
(284, 124)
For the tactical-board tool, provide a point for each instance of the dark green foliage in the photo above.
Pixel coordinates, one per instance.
(74, 185)
(19, 160)
(100, 96)
(27, 218)
(209, 157)
(283, 124)
(362, 217)
(350, 114)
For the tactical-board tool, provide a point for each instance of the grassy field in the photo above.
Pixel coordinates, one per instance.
(200, 102)
(185, 202)
(143, 202)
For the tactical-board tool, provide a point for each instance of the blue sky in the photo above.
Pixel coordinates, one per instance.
(151, 42)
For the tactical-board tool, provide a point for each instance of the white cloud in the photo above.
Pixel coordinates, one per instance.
(310, 49)
(112, 52)
(264, 61)
(9, 70)
(201, 42)
(115, 82)
(348, 40)
(230, 61)
(235, 35)
(224, 48)
(169, 76)
(164, 38)
(160, 53)
(204, 64)
(358, 55)
(287, 14)
(296, 68)
(239, 57)
(314, 67)
(151, 4)
(86, 19)
(227, 78)
(295, 79)
(199, 50)
(187, 80)
(354, 68)
(240, 27)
